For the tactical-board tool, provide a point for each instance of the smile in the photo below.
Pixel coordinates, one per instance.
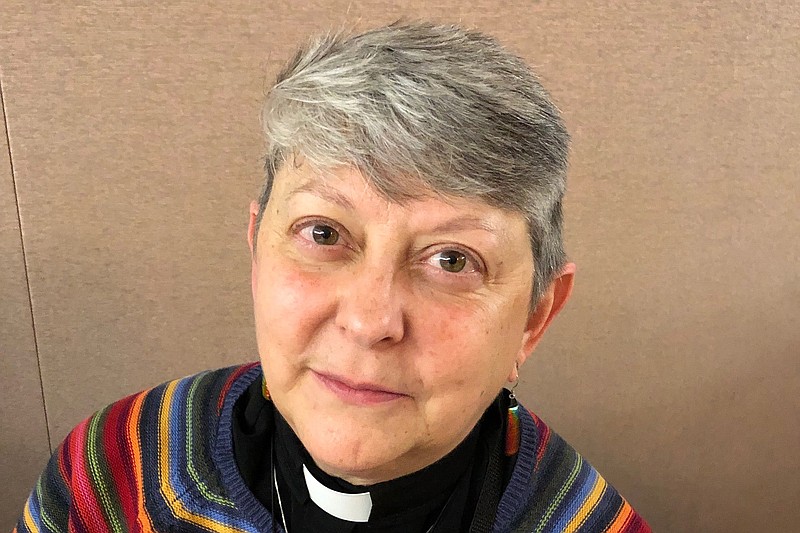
(357, 393)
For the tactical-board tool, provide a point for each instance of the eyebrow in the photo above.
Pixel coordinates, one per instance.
(330, 195)
(466, 223)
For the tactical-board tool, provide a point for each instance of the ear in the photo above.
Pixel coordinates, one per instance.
(251, 228)
(546, 310)
(251, 232)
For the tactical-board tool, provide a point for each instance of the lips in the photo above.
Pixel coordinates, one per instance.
(357, 393)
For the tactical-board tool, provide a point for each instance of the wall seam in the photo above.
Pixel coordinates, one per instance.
(24, 260)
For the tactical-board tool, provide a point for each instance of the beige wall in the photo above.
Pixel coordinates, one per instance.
(24, 446)
(135, 149)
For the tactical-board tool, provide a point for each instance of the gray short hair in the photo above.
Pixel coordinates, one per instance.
(418, 105)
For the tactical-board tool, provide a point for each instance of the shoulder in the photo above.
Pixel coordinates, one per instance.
(195, 401)
(554, 489)
(134, 460)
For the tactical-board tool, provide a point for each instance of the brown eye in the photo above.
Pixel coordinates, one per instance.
(324, 235)
(452, 261)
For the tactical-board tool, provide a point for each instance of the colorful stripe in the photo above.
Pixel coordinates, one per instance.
(134, 447)
(512, 429)
(597, 487)
(233, 378)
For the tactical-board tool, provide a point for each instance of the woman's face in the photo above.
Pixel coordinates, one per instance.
(386, 330)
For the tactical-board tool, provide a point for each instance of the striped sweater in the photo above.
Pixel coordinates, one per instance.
(163, 461)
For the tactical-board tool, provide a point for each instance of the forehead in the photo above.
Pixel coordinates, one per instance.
(299, 175)
(347, 188)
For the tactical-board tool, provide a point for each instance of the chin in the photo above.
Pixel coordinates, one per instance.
(358, 457)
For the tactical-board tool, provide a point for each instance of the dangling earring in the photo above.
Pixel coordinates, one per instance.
(512, 425)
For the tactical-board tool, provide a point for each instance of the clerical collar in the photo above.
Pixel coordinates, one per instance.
(344, 506)
(411, 498)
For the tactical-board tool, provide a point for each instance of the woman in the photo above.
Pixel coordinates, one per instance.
(406, 260)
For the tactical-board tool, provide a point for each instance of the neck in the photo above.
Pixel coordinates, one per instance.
(374, 476)
(429, 486)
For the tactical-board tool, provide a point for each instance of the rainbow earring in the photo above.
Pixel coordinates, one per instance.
(512, 419)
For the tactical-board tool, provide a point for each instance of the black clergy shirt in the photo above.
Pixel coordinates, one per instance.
(443, 495)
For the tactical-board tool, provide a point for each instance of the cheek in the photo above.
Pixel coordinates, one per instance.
(454, 341)
(289, 303)
(467, 347)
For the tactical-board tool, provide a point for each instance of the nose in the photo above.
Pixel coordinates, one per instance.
(370, 310)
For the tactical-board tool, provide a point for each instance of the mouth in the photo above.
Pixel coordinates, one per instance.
(357, 393)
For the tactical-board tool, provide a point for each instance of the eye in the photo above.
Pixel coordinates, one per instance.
(451, 260)
(323, 234)
(455, 262)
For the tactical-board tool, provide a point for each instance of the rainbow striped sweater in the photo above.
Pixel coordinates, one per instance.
(163, 461)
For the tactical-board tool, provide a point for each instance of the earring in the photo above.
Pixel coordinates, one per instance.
(265, 390)
(512, 419)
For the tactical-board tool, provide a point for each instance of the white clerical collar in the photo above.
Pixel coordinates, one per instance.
(350, 507)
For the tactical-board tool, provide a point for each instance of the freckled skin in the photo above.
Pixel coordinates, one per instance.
(378, 308)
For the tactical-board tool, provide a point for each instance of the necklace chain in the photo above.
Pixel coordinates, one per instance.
(280, 504)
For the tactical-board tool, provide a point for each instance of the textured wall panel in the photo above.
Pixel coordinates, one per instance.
(23, 431)
(137, 136)
(674, 369)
